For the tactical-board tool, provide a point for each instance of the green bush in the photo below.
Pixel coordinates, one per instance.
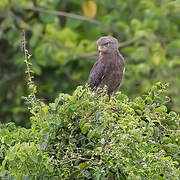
(87, 137)
(63, 48)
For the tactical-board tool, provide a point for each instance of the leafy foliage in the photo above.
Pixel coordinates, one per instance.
(87, 137)
(63, 47)
(82, 136)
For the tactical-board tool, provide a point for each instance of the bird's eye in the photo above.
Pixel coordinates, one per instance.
(106, 44)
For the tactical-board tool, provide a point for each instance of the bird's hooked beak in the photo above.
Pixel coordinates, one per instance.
(100, 48)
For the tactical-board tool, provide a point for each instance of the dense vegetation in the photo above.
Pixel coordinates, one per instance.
(84, 136)
(64, 47)
(87, 137)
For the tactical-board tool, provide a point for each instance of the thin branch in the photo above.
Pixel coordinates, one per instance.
(89, 55)
(121, 45)
(65, 14)
(109, 27)
(128, 43)
(61, 13)
(31, 85)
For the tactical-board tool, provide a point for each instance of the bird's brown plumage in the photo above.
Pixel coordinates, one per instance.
(108, 70)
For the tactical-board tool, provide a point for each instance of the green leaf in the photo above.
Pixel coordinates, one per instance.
(27, 177)
(139, 111)
(50, 168)
(2, 173)
(100, 129)
(149, 100)
(85, 127)
(83, 166)
(34, 157)
(39, 158)
(22, 158)
(156, 131)
(74, 174)
(11, 156)
(81, 123)
(161, 109)
(91, 134)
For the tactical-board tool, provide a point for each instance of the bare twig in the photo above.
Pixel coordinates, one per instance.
(109, 27)
(89, 55)
(128, 43)
(121, 45)
(27, 56)
(62, 13)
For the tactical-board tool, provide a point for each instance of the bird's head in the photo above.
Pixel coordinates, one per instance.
(107, 45)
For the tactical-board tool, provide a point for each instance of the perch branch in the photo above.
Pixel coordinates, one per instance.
(62, 13)
(121, 45)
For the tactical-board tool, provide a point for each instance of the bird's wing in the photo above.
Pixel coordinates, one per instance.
(96, 74)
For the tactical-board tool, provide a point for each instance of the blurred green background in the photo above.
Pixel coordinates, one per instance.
(62, 34)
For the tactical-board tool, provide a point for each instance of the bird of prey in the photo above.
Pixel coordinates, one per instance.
(109, 68)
